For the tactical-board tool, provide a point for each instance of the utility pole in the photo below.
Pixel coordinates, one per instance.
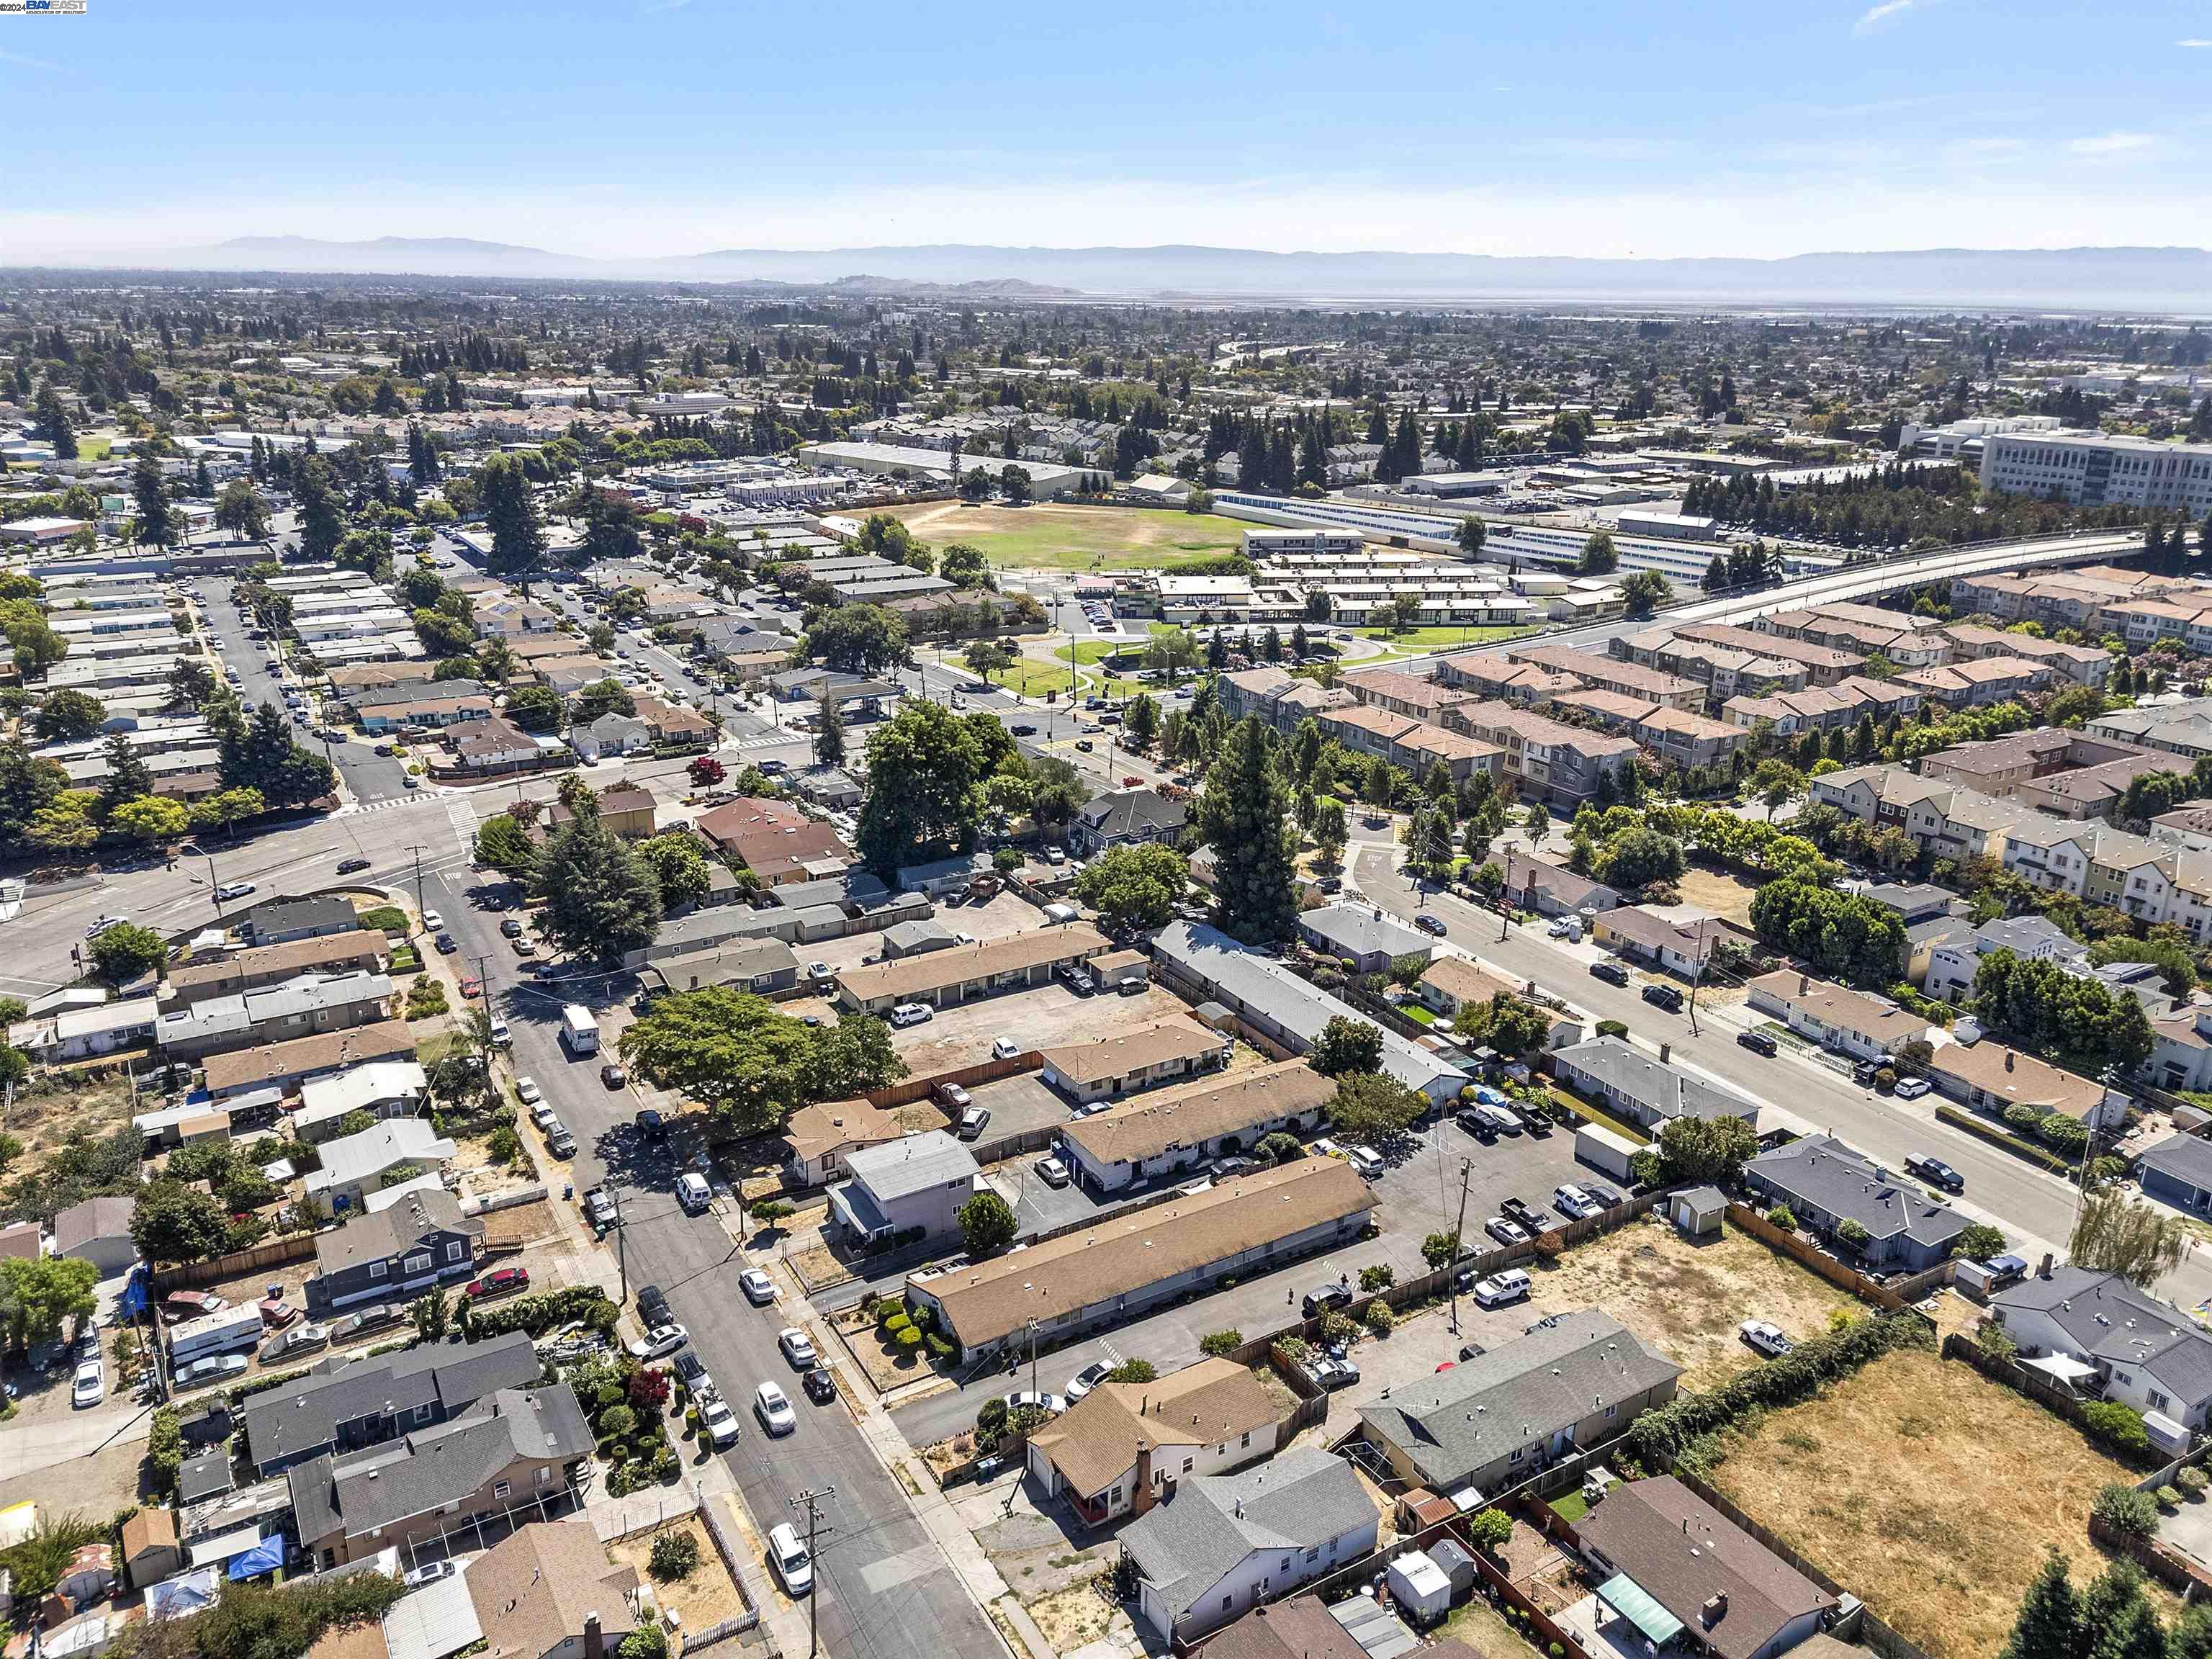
(417, 849)
(622, 1247)
(812, 1498)
(1466, 1168)
(1696, 972)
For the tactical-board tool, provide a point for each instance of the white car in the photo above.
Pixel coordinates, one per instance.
(104, 924)
(797, 1347)
(1911, 1088)
(913, 1013)
(1368, 1163)
(1005, 1049)
(1052, 1172)
(1088, 1378)
(773, 1406)
(721, 1423)
(692, 1191)
(527, 1091)
(1571, 1202)
(429, 1573)
(433, 922)
(90, 1387)
(1040, 1399)
(660, 1340)
(787, 1550)
(759, 1288)
(234, 889)
(1498, 1289)
(818, 971)
(543, 1114)
(1504, 1231)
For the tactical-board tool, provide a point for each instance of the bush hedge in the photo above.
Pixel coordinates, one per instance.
(1981, 1126)
(541, 1313)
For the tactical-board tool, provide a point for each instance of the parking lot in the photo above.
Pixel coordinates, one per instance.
(1421, 1194)
(1043, 1016)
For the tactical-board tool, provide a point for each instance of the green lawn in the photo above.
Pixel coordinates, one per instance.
(1052, 535)
(1034, 679)
(93, 449)
(1440, 639)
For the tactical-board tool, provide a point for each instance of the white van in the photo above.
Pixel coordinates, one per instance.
(1503, 1119)
(787, 1550)
(692, 1191)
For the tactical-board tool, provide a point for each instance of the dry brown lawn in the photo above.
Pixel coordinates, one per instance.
(1716, 891)
(1074, 1617)
(1686, 1299)
(1928, 1490)
(707, 1597)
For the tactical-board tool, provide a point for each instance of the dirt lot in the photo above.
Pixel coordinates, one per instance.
(707, 1597)
(1930, 1490)
(1686, 1299)
(49, 1109)
(1716, 891)
(1040, 1018)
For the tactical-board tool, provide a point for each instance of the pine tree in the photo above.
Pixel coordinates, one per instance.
(2049, 1616)
(53, 422)
(157, 525)
(1245, 817)
(828, 734)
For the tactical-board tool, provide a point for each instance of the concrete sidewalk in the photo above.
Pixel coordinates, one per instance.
(28, 1445)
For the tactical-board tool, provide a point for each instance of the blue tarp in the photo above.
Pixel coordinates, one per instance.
(266, 1556)
(134, 1293)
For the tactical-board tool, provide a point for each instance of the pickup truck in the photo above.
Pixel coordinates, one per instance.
(1937, 1173)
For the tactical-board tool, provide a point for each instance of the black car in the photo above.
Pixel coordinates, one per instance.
(1759, 1042)
(653, 1307)
(347, 866)
(652, 1124)
(1937, 1173)
(1024, 730)
(821, 1388)
(1519, 1213)
(1476, 1125)
(1430, 923)
(1664, 996)
(1611, 972)
(446, 944)
(1324, 1297)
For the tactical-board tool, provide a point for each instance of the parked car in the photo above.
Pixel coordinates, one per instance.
(215, 1368)
(798, 1348)
(1500, 1289)
(773, 1406)
(527, 1091)
(1477, 1125)
(89, 1386)
(433, 922)
(600, 1211)
(1911, 1088)
(1937, 1173)
(1663, 996)
(1052, 1172)
(1504, 1231)
(1611, 972)
(1088, 1378)
(692, 1191)
(1368, 1163)
(691, 1372)
(1428, 922)
(1764, 1338)
(952, 1095)
(559, 1141)
(653, 1307)
(821, 1388)
(1759, 1042)
(1520, 1213)
(818, 971)
(287, 1344)
(1323, 1297)
(430, 1572)
(1039, 1398)
(973, 1121)
(1603, 1196)
(660, 1340)
(913, 1013)
(1571, 1201)
(759, 1288)
(367, 1320)
(500, 1281)
(1332, 1371)
(446, 944)
(719, 1420)
(786, 1552)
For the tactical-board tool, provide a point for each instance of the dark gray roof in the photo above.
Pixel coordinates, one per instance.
(1185, 1547)
(304, 1415)
(1455, 1422)
(2186, 1158)
(1359, 931)
(1913, 901)
(1831, 1177)
(2107, 1318)
(285, 912)
(439, 1466)
(1131, 812)
(1653, 1084)
(207, 1475)
(107, 1217)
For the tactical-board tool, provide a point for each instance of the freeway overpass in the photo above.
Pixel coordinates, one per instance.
(1868, 581)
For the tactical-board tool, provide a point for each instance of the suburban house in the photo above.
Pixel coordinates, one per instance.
(353, 951)
(388, 1253)
(613, 733)
(1990, 1077)
(1166, 1133)
(1825, 1184)
(944, 978)
(2146, 1352)
(2177, 1170)
(762, 966)
(388, 1088)
(820, 1137)
(1114, 1451)
(85, 1030)
(1124, 818)
(1953, 964)
(1307, 1628)
(1834, 1016)
(624, 808)
(671, 726)
(1493, 1421)
(1207, 964)
(357, 1164)
(2181, 1049)
(1451, 983)
(97, 1231)
(1153, 1055)
(282, 920)
(1550, 890)
(425, 707)
(915, 1185)
(1674, 1566)
(1682, 949)
(514, 1456)
(281, 1066)
(1224, 1543)
(305, 1007)
(1118, 1268)
(548, 1591)
(1363, 936)
(352, 1401)
(1646, 1091)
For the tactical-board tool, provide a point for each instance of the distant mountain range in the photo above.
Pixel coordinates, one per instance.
(2166, 279)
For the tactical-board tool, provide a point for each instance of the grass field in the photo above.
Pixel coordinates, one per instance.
(1053, 537)
(1033, 679)
(1440, 639)
(1930, 1490)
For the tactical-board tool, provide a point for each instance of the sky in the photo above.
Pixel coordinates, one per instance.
(631, 128)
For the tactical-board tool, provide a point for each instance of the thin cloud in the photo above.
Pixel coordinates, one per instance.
(2193, 45)
(2111, 143)
(27, 61)
(1887, 12)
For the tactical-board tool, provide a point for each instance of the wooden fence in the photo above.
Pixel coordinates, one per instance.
(968, 1076)
(1810, 1256)
(2161, 1561)
(278, 1253)
(2037, 1387)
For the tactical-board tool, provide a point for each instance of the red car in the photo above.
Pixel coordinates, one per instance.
(502, 1282)
(470, 988)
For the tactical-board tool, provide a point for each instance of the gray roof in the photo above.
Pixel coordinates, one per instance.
(1130, 811)
(1247, 979)
(1359, 930)
(1831, 1177)
(2029, 936)
(440, 1464)
(1185, 1547)
(912, 1163)
(303, 1415)
(308, 994)
(207, 1475)
(378, 1235)
(732, 960)
(2186, 1158)
(284, 913)
(2109, 1319)
(1653, 1084)
(923, 933)
(1912, 902)
(1455, 1422)
(94, 1218)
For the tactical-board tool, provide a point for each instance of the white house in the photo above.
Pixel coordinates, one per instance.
(914, 1181)
(355, 1165)
(2148, 1353)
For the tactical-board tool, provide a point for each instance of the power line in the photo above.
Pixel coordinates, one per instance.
(812, 1498)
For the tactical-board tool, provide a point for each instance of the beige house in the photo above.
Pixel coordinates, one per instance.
(819, 1138)
(1112, 1452)
(1084, 1072)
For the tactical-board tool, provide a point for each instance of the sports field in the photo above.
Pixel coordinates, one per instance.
(1440, 639)
(1053, 535)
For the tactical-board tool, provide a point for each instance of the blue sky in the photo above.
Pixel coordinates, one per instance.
(1604, 127)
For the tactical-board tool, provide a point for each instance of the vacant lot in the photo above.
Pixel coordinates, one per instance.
(1930, 1490)
(705, 1598)
(1686, 1299)
(1717, 892)
(1053, 537)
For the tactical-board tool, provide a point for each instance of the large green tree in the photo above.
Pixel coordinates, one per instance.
(68, 716)
(601, 899)
(857, 639)
(1244, 816)
(156, 522)
(925, 798)
(45, 1294)
(518, 539)
(1135, 886)
(752, 1065)
(173, 1221)
(124, 952)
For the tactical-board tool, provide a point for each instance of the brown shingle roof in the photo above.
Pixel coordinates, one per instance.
(829, 1124)
(533, 1589)
(245, 1068)
(299, 955)
(934, 970)
(1098, 1438)
(1194, 1112)
(1127, 1051)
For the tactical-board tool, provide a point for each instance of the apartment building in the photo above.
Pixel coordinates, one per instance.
(2095, 469)
(1547, 758)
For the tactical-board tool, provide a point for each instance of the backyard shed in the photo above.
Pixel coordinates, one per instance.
(1698, 1212)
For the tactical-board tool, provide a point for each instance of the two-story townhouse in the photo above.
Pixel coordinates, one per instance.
(348, 1401)
(1124, 1445)
(395, 1252)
